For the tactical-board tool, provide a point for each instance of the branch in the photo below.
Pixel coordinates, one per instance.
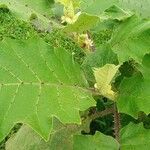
(93, 91)
(103, 113)
(96, 114)
(117, 124)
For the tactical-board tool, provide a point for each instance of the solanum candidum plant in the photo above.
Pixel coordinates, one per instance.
(74, 74)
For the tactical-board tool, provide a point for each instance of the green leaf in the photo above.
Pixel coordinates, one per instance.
(26, 139)
(27, 9)
(135, 137)
(102, 56)
(132, 136)
(84, 22)
(103, 77)
(128, 93)
(131, 39)
(134, 91)
(60, 139)
(110, 18)
(139, 7)
(114, 12)
(38, 82)
(98, 6)
(145, 67)
(95, 142)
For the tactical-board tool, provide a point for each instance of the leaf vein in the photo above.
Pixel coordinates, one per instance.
(21, 59)
(11, 73)
(12, 102)
(51, 70)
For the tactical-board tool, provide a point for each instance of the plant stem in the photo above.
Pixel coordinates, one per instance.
(98, 114)
(117, 124)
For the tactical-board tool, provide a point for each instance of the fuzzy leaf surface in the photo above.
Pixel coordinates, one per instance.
(134, 91)
(26, 139)
(95, 142)
(60, 139)
(135, 136)
(38, 82)
(84, 22)
(131, 39)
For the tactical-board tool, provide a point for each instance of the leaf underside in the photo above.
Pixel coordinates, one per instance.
(60, 139)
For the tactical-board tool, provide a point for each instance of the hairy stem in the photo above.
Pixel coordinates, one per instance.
(98, 114)
(117, 124)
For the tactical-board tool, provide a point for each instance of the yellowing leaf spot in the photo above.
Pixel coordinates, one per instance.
(104, 76)
(69, 17)
(69, 11)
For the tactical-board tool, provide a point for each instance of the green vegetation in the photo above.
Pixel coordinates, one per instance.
(74, 75)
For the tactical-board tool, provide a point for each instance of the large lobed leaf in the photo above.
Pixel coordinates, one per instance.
(38, 82)
(60, 139)
(132, 136)
(131, 39)
(134, 91)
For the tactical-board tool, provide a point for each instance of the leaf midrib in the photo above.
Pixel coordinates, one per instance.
(30, 68)
(46, 84)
